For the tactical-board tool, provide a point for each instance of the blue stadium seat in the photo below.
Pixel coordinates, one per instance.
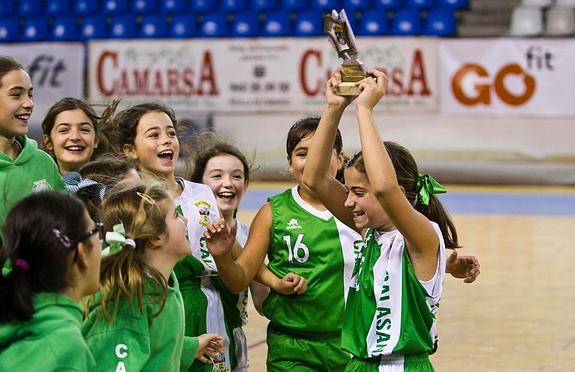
(184, 26)
(94, 27)
(35, 29)
(6, 8)
(420, 4)
(65, 28)
(115, 6)
(233, 5)
(276, 24)
(351, 5)
(30, 7)
(389, 4)
(58, 7)
(453, 4)
(308, 23)
(406, 22)
(373, 23)
(86, 7)
(294, 4)
(145, 6)
(154, 27)
(9, 29)
(265, 5)
(123, 27)
(245, 25)
(172, 6)
(214, 25)
(440, 22)
(326, 5)
(204, 5)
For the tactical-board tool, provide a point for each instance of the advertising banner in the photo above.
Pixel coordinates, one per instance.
(507, 76)
(56, 70)
(255, 75)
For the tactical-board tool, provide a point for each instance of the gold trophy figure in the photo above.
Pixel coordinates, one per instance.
(342, 38)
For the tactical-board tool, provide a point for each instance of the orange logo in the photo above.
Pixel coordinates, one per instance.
(483, 89)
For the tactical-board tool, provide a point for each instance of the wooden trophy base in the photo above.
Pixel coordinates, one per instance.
(347, 89)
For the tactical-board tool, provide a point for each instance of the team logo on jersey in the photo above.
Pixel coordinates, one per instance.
(204, 211)
(41, 185)
(293, 224)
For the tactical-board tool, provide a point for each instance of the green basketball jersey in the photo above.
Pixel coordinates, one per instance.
(389, 311)
(317, 246)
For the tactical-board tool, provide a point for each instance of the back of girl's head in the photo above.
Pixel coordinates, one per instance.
(108, 170)
(407, 175)
(40, 235)
(9, 64)
(304, 128)
(139, 209)
(208, 146)
(68, 104)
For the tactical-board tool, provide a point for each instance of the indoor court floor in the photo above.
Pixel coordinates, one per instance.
(519, 314)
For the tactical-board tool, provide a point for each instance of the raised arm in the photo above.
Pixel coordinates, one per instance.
(238, 274)
(316, 176)
(421, 239)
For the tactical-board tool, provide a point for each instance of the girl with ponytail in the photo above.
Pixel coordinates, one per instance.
(136, 320)
(50, 259)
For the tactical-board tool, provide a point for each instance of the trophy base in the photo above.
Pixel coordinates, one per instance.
(347, 89)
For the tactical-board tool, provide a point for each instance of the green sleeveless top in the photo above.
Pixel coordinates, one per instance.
(317, 246)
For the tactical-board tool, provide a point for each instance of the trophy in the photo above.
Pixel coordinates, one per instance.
(342, 38)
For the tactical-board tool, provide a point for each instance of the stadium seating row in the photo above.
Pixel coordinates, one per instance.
(437, 22)
(85, 7)
(533, 19)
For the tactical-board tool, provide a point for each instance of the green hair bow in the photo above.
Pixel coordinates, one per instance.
(427, 186)
(117, 240)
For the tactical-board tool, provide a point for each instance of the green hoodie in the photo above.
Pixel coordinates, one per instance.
(50, 341)
(141, 340)
(33, 170)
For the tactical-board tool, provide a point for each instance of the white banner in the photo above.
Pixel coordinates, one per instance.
(507, 76)
(255, 74)
(56, 69)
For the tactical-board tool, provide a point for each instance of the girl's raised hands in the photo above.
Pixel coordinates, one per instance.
(220, 237)
(373, 88)
(331, 97)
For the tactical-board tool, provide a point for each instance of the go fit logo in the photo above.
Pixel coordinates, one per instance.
(482, 87)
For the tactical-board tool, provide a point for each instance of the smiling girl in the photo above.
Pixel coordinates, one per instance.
(23, 167)
(69, 130)
(146, 135)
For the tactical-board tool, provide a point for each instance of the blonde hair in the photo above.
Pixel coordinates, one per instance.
(124, 274)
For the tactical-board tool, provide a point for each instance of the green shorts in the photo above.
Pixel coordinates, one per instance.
(291, 353)
(400, 363)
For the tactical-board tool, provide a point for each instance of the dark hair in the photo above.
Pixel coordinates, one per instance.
(43, 231)
(304, 128)
(407, 174)
(106, 170)
(109, 172)
(210, 146)
(9, 64)
(68, 104)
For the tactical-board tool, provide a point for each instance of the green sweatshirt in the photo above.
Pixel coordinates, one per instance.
(50, 341)
(33, 170)
(142, 341)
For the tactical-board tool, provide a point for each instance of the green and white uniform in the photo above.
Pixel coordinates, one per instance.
(390, 320)
(148, 340)
(50, 341)
(196, 273)
(235, 310)
(317, 246)
(33, 170)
